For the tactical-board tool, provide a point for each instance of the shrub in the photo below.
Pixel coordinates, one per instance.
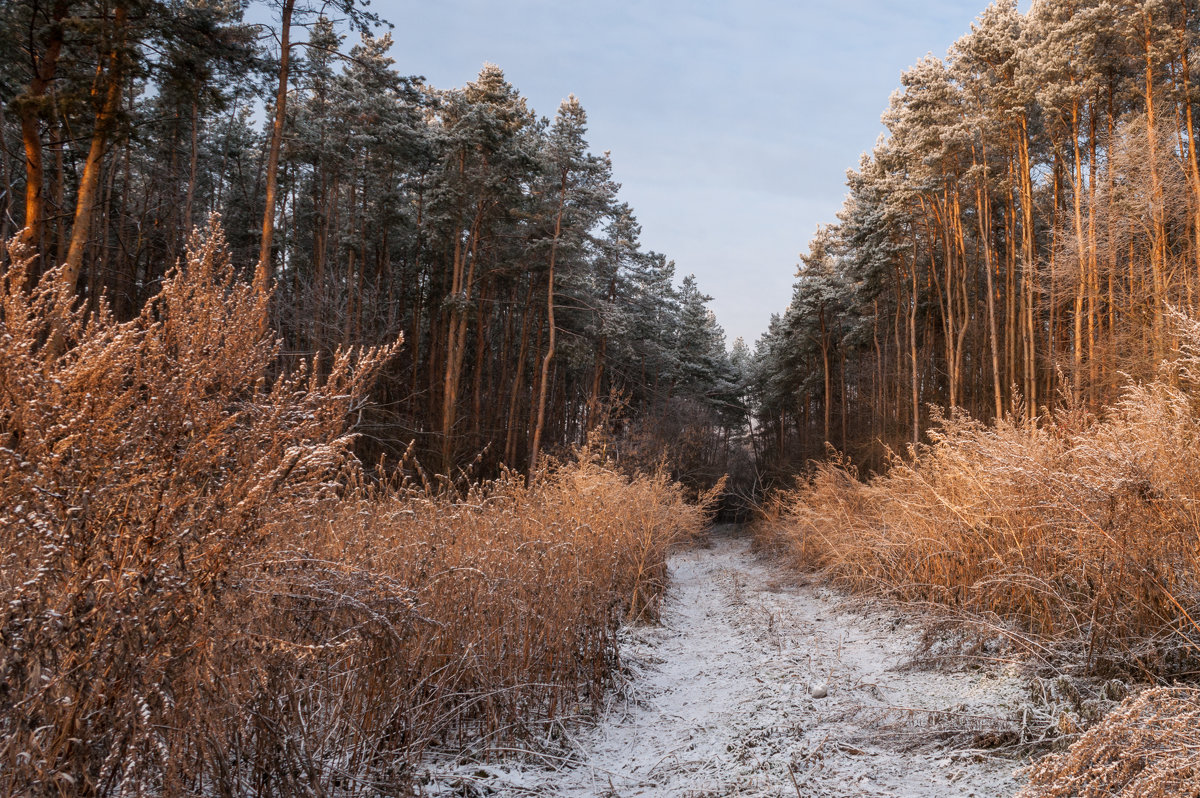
(138, 464)
(515, 594)
(1078, 535)
(200, 593)
(1149, 747)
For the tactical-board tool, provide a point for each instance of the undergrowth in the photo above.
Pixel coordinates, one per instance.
(1075, 539)
(201, 594)
(1149, 747)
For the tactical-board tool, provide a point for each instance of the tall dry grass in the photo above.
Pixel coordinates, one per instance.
(1078, 536)
(199, 595)
(516, 592)
(1149, 747)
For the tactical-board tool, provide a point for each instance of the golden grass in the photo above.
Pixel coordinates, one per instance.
(1076, 538)
(199, 593)
(1079, 536)
(1149, 747)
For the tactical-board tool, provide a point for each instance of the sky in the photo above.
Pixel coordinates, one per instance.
(731, 123)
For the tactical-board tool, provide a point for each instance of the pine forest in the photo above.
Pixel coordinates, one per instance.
(356, 441)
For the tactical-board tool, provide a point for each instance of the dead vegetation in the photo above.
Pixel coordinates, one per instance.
(1148, 748)
(201, 594)
(1075, 540)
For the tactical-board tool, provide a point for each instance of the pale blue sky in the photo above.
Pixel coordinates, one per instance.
(731, 124)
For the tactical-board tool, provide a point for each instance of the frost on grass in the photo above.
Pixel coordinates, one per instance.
(720, 701)
(1148, 748)
(1073, 538)
(200, 592)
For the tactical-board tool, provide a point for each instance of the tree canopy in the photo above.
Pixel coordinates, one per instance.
(492, 239)
(1013, 242)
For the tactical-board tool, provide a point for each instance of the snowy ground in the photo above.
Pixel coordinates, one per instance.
(723, 701)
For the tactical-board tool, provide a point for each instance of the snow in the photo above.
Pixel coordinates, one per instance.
(721, 701)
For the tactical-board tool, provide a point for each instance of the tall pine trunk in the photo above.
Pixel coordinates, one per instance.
(549, 358)
(262, 275)
(89, 181)
(29, 111)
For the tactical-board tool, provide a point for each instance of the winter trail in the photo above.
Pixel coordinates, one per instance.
(722, 701)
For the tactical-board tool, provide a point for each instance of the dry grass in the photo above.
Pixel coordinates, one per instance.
(1148, 748)
(516, 594)
(199, 595)
(1079, 537)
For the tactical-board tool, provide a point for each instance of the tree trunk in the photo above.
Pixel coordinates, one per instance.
(1158, 232)
(1193, 161)
(983, 202)
(912, 347)
(192, 164)
(1028, 268)
(89, 182)
(465, 258)
(29, 111)
(262, 275)
(549, 358)
(510, 441)
(828, 377)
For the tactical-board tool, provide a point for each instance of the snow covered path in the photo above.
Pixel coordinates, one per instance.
(722, 701)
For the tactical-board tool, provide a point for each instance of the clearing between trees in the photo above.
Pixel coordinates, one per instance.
(720, 700)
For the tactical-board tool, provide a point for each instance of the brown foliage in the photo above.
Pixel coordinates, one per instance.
(1078, 536)
(197, 595)
(136, 471)
(517, 593)
(1148, 748)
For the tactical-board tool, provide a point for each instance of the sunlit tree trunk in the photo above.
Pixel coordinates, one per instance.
(1028, 267)
(465, 258)
(984, 216)
(89, 180)
(912, 348)
(1158, 229)
(1081, 255)
(262, 275)
(29, 112)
